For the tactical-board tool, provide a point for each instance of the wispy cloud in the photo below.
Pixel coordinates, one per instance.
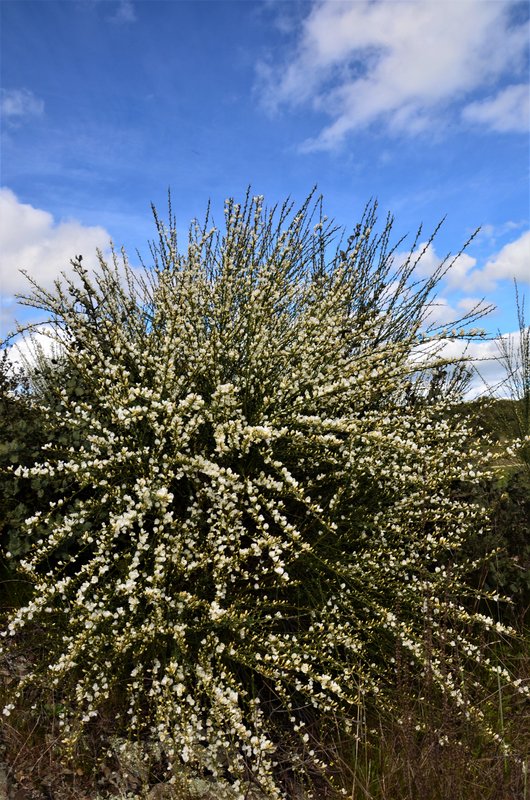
(506, 112)
(18, 105)
(401, 64)
(492, 232)
(124, 13)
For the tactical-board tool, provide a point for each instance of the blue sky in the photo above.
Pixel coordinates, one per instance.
(423, 105)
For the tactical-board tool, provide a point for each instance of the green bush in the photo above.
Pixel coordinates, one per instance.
(22, 435)
(257, 512)
(28, 424)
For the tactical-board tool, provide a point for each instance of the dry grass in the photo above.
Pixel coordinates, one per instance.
(432, 754)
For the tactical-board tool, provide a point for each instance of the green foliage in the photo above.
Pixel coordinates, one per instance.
(506, 493)
(510, 571)
(22, 436)
(257, 519)
(27, 425)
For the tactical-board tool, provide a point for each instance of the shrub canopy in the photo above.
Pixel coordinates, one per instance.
(258, 518)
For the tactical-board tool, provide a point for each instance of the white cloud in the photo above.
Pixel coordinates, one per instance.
(490, 373)
(506, 112)
(7, 315)
(483, 358)
(439, 311)
(31, 239)
(19, 104)
(29, 348)
(469, 305)
(512, 261)
(401, 63)
(429, 261)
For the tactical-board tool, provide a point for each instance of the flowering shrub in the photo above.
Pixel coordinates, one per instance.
(258, 515)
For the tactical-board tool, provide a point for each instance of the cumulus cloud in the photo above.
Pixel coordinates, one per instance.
(17, 105)
(398, 63)
(31, 239)
(428, 261)
(441, 312)
(512, 261)
(489, 374)
(506, 112)
(28, 349)
(469, 305)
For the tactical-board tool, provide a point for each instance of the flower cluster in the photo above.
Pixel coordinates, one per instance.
(259, 508)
